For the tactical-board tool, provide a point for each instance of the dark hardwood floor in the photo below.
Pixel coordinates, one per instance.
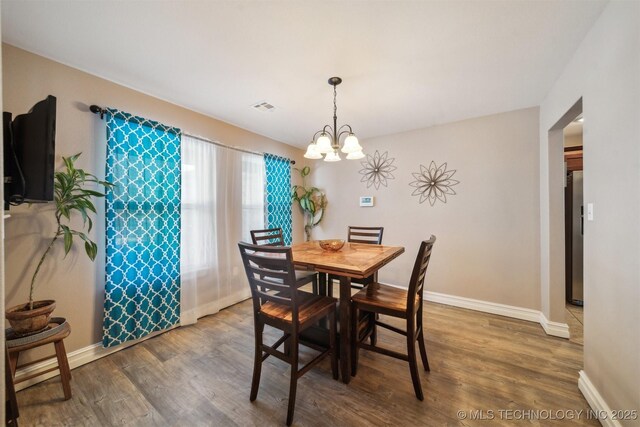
(200, 375)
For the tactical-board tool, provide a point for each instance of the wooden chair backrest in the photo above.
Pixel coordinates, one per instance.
(372, 235)
(416, 284)
(267, 237)
(271, 276)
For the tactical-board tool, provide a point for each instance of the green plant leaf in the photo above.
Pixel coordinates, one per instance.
(91, 249)
(305, 171)
(85, 217)
(68, 241)
(92, 193)
(64, 210)
(90, 206)
(83, 236)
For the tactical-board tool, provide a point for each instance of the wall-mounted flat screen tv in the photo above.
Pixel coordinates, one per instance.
(29, 153)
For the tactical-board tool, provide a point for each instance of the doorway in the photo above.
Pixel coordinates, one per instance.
(574, 227)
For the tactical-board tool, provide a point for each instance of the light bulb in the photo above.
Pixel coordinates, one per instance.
(351, 144)
(324, 144)
(355, 155)
(312, 152)
(333, 156)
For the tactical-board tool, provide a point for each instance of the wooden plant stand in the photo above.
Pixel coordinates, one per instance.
(57, 331)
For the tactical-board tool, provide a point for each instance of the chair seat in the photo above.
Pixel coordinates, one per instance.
(310, 307)
(378, 296)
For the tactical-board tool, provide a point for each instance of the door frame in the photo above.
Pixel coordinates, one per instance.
(552, 236)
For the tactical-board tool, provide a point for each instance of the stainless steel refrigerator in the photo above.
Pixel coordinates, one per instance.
(574, 223)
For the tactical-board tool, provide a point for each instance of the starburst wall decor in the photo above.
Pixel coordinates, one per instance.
(376, 169)
(433, 183)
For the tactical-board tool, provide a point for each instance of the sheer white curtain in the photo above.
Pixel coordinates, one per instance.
(222, 199)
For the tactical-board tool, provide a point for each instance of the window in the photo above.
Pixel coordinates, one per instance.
(222, 200)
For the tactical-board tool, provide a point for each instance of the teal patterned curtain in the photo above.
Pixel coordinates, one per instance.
(278, 195)
(142, 228)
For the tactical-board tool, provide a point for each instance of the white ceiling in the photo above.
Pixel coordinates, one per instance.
(573, 129)
(405, 64)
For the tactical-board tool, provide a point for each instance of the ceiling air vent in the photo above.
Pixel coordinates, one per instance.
(264, 106)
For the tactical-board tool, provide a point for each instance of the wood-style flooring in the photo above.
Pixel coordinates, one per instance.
(200, 375)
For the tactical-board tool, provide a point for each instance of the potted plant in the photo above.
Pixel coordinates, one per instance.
(70, 196)
(312, 202)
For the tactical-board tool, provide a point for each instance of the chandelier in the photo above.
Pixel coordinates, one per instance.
(328, 138)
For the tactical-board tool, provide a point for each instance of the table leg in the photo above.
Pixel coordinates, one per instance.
(322, 283)
(322, 290)
(345, 329)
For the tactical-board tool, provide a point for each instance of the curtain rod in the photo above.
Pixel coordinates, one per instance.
(99, 110)
(219, 144)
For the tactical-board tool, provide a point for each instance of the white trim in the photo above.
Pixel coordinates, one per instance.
(484, 306)
(595, 400)
(191, 316)
(551, 328)
(556, 329)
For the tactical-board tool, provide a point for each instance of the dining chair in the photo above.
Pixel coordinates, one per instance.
(277, 302)
(367, 235)
(400, 303)
(273, 237)
(267, 236)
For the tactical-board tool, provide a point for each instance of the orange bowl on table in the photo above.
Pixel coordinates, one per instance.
(333, 245)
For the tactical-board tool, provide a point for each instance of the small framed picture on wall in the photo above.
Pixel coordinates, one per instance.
(366, 201)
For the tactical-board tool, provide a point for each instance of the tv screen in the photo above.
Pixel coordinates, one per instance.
(9, 162)
(33, 146)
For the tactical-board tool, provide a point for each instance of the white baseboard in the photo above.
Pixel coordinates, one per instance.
(595, 400)
(551, 328)
(484, 306)
(556, 329)
(190, 317)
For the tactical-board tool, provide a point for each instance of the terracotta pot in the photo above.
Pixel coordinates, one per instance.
(27, 322)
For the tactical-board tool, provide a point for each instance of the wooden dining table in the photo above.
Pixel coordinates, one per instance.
(354, 260)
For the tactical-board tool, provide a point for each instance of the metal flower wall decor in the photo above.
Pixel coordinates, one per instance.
(376, 169)
(433, 183)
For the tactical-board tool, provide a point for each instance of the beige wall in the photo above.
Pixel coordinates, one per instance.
(605, 72)
(75, 283)
(487, 247)
(573, 140)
